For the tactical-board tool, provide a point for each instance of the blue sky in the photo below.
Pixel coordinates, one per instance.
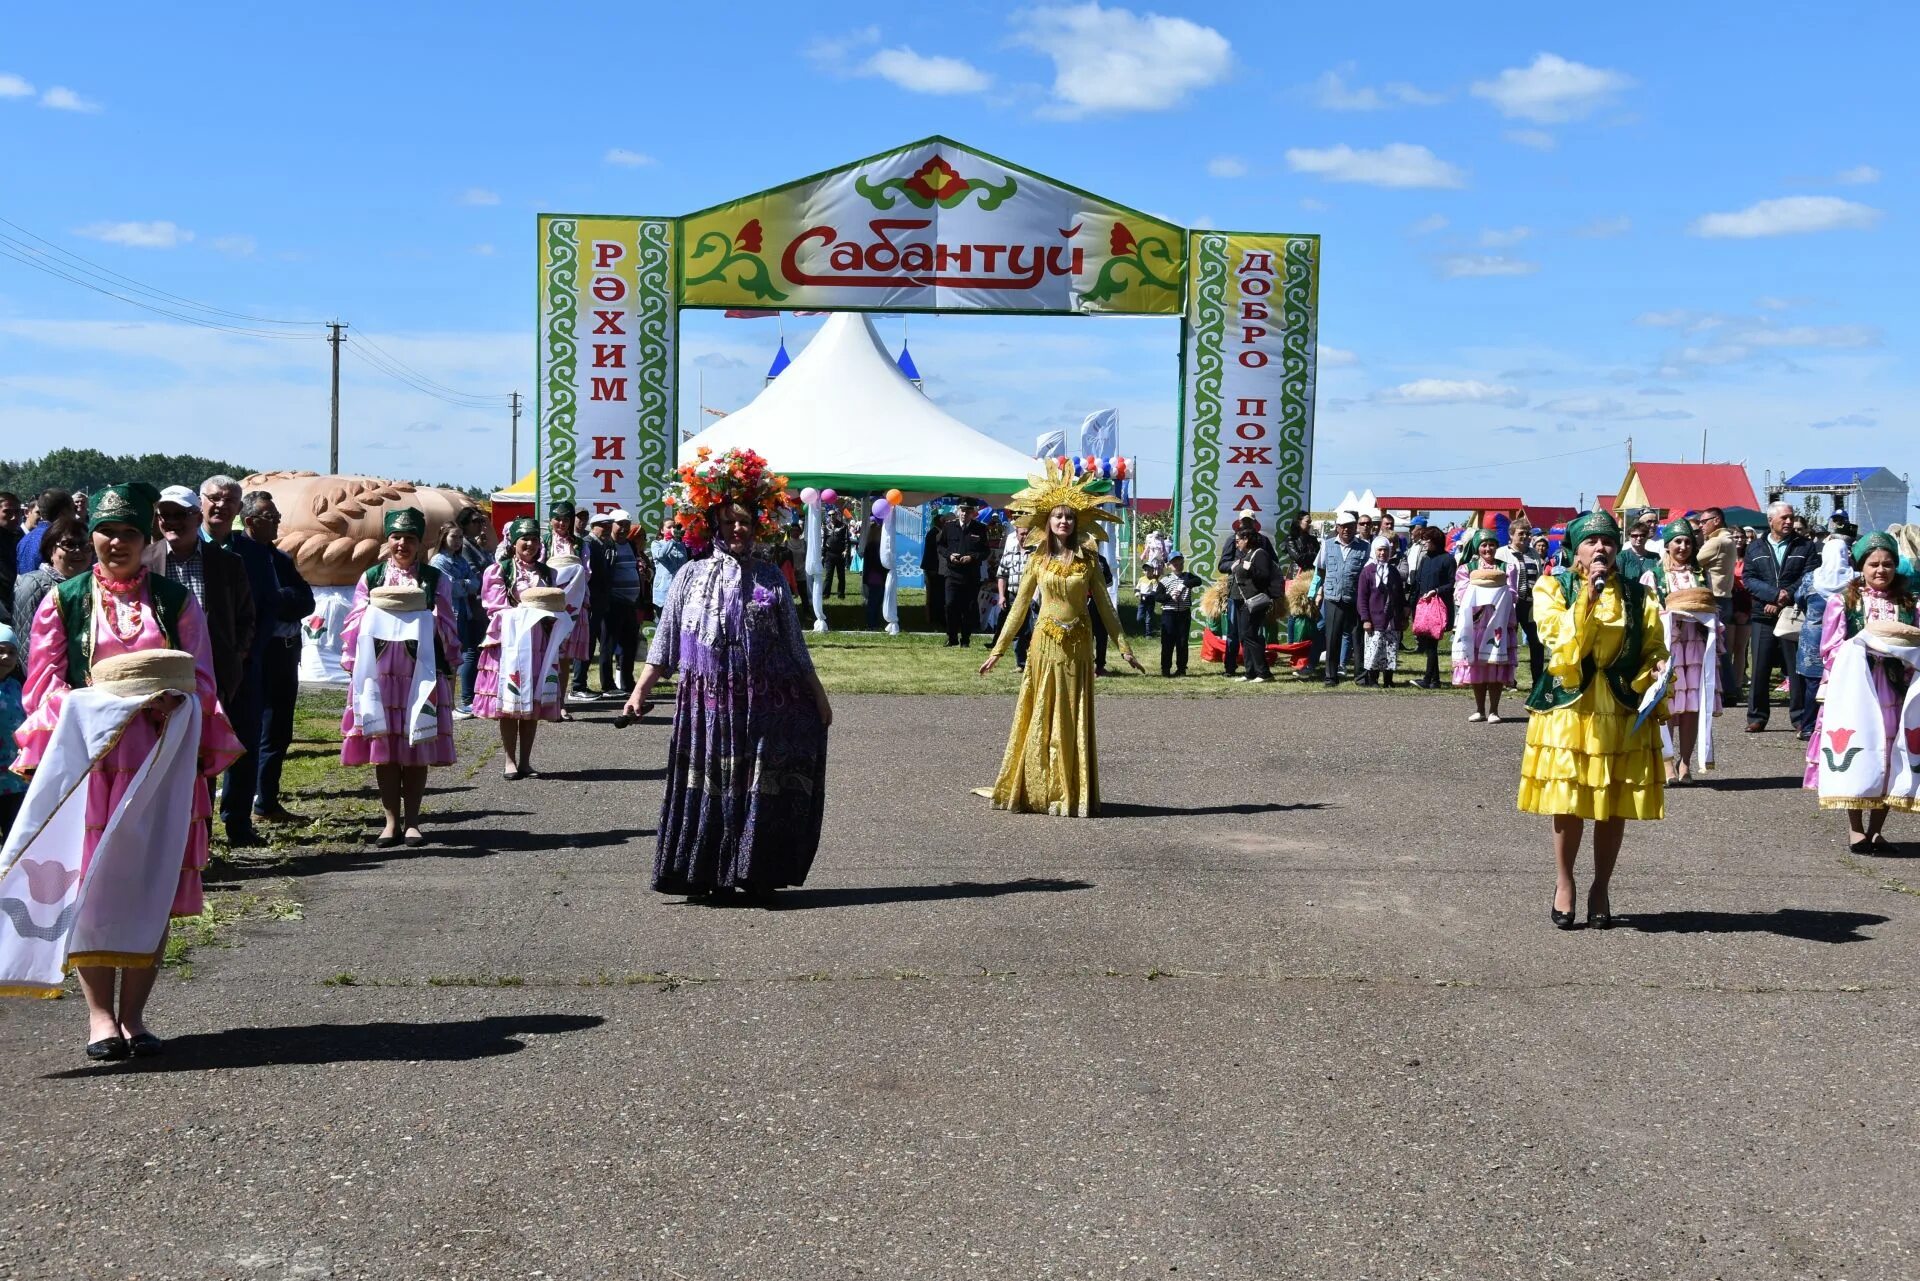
(1546, 229)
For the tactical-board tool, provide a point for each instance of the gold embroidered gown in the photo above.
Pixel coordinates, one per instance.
(1052, 764)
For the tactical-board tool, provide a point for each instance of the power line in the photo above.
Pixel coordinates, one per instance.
(361, 337)
(426, 387)
(118, 280)
(9, 249)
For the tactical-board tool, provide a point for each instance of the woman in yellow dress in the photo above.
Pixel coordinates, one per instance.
(1590, 753)
(1052, 765)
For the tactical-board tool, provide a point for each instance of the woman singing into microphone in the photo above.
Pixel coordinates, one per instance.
(1591, 752)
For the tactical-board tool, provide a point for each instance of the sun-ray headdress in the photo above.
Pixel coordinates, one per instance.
(739, 475)
(1089, 496)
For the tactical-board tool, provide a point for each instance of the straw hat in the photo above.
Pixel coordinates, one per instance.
(551, 599)
(1488, 577)
(1889, 630)
(1691, 600)
(398, 600)
(146, 673)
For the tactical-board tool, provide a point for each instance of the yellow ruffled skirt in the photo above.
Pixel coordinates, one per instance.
(1051, 764)
(1587, 760)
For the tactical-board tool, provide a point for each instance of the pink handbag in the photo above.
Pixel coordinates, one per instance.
(1430, 617)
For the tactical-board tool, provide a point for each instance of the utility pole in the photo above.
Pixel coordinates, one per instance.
(333, 447)
(513, 466)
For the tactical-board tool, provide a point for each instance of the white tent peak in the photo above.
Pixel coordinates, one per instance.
(844, 414)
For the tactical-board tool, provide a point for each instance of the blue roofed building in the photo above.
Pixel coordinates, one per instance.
(1872, 497)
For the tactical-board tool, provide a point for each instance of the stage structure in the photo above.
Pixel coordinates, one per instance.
(934, 226)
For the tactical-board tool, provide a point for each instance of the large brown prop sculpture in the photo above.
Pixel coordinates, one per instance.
(330, 525)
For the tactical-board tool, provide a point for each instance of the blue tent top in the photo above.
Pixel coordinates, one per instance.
(1831, 476)
(780, 361)
(906, 364)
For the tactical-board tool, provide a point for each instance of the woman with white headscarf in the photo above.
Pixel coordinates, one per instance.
(1486, 634)
(1381, 602)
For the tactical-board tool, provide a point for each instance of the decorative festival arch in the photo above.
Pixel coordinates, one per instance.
(934, 226)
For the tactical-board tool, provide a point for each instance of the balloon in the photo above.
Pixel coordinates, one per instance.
(880, 508)
(827, 495)
(1119, 469)
(894, 496)
(808, 495)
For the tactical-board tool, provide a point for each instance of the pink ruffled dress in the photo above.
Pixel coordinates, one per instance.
(1834, 632)
(1477, 671)
(393, 748)
(129, 624)
(486, 677)
(1689, 650)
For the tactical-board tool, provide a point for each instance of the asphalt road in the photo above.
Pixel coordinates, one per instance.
(1293, 1009)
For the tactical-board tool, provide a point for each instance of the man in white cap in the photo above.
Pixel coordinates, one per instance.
(620, 631)
(596, 550)
(217, 580)
(1341, 559)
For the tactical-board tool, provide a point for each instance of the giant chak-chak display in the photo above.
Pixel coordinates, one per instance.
(330, 525)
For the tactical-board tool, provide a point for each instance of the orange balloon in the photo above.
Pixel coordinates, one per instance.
(894, 496)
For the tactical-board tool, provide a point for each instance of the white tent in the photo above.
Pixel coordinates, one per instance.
(844, 415)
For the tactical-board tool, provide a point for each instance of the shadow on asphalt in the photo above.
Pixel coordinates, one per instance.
(317, 1043)
(599, 775)
(349, 859)
(1769, 783)
(470, 844)
(1124, 809)
(800, 900)
(1788, 922)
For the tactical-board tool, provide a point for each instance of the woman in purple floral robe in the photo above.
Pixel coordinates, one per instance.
(747, 765)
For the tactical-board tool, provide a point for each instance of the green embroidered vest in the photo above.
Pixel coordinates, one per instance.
(1549, 694)
(75, 597)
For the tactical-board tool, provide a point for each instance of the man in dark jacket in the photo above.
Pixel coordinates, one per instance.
(930, 570)
(594, 549)
(963, 559)
(279, 616)
(218, 582)
(10, 535)
(220, 500)
(834, 553)
(1775, 563)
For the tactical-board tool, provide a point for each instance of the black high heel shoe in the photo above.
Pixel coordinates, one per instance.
(1601, 917)
(1564, 920)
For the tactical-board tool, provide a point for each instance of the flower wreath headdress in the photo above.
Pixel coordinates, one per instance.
(1090, 497)
(737, 476)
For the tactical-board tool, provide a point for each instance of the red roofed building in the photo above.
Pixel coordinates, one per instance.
(1678, 488)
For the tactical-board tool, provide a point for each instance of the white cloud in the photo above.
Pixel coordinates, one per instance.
(1552, 90)
(1495, 238)
(12, 86)
(622, 158)
(1846, 420)
(1116, 60)
(1858, 176)
(1332, 92)
(1538, 139)
(479, 196)
(1227, 167)
(1448, 391)
(1789, 215)
(1311, 205)
(1428, 225)
(1606, 407)
(61, 98)
(921, 73)
(1329, 357)
(1605, 228)
(137, 235)
(1737, 340)
(830, 53)
(1467, 266)
(1398, 164)
(483, 251)
(235, 246)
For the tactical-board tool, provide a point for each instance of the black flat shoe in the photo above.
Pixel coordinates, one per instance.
(1862, 846)
(110, 1049)
(1599, 918)
(1561, 920)
(146, 1046)
(1881, 845)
